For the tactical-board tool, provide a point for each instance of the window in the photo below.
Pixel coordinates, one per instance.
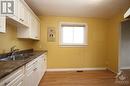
(73, 34)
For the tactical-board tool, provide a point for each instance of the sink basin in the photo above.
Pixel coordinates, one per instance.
(5, 59)
(13, 59)
(16, 57)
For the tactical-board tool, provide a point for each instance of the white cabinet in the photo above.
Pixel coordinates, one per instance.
(28, 24)
(45, 63)
(28, 75)
(3, 24)
(28, 18)
(35, 27)
(36, 73)
(42, 64)
(32, 73)
(14, 16)
(35, 70)
(33, 32)
(14, 79)
(23, 13)
(18, 82)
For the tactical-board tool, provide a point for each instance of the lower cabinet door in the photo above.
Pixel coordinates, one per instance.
(29, 75)
(30, 79)
(36, 76)
(44, 64)
(40, 68)
(19, 82)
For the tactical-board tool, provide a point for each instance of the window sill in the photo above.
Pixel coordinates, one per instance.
(73, 45)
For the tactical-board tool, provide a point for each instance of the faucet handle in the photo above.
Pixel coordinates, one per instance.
(12, 48)
(16, 50)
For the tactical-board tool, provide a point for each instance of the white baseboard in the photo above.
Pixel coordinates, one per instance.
(125, 68)
(75, 69)
(111, 70)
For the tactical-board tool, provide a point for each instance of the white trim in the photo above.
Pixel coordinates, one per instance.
(119, 51)
(111, 70)
(127, 14)
(75, 69)
(125, 68)
(85, 45)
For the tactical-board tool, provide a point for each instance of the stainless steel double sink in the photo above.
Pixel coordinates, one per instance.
(16, 57)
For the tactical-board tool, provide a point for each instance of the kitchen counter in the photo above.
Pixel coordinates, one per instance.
(7, 67)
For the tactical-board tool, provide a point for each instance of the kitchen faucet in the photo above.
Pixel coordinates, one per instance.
(13, 51)
(12, 48)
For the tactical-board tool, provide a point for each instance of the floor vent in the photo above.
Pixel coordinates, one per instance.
(79, 71)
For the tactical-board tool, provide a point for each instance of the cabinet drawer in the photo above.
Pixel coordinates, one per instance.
(28, 65)
(31, 66)
(19, 81)
(29, 69)
(12, 77)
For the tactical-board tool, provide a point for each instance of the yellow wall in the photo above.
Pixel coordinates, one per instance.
(9, 39)
(92, 56)
(102, 49)
(113, 41)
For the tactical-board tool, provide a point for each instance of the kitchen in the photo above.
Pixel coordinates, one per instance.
(33, 40)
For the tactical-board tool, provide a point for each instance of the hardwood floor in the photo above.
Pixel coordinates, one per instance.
(127, 72)
(86, 78)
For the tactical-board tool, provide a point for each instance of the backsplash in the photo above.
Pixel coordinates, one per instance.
(9, 39)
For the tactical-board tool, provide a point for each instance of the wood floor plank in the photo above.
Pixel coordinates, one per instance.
(86, 78)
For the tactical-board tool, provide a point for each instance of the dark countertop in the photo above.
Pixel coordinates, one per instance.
(7, 67)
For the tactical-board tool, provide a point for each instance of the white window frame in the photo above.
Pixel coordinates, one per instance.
(71, 45)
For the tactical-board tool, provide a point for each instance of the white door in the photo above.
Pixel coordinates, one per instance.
(18, 82)
(45, 63)
(40, 67)
(124, 62)
(16, 8)
(36, 74)
(20, 11)
(29, 81)
(38, 29)
(33, 27)
(25, 16)
(30, 77)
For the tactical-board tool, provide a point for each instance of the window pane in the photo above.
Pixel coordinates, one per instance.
(67, 35)
(73, 34)
(78, 35)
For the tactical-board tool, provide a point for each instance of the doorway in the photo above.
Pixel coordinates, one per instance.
(124, 60)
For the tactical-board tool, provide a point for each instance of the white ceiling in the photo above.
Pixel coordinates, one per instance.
(78, 8)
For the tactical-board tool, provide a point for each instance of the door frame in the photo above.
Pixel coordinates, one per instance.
(119, 46)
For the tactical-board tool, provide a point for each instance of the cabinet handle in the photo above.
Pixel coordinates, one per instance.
(35, 69)
(7, 83)
(20, 19)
